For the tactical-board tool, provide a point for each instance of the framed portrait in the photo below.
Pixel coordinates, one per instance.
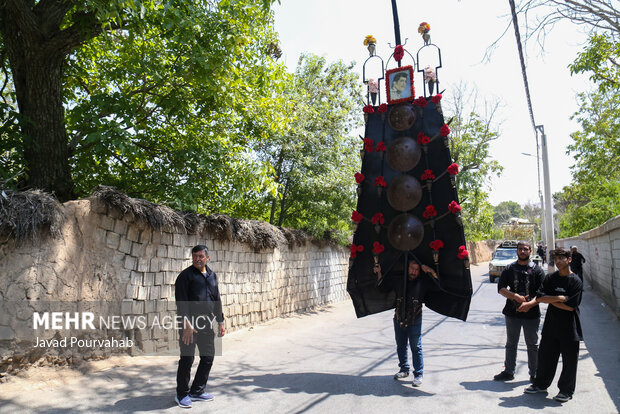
(399, 84)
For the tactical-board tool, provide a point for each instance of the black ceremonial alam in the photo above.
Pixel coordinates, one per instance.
(407, 232)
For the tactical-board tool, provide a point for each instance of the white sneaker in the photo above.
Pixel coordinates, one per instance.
(417, 381)
(401, 374)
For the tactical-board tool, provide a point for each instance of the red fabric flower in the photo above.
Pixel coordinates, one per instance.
(377, 248)
(429, 211)
(380, 181)
(378, 218)
(454, 207)
(436, 98)
(436, 244)
(428, 175)
(453, 169)
(355, 249)
(359, 177)
(463, 253)
(356, 216)
(421, 101)
(369, 144)
(382, 108)
(368, 109)
(423, 139)
(444, 130)
(399, 53)
(381, 146)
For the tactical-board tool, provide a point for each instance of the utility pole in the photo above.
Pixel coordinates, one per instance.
(548, 200)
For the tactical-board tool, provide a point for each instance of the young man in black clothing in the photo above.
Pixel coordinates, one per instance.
(562, 329)
(577, 261)
(408, 330)
(198, 303)
(519, 283)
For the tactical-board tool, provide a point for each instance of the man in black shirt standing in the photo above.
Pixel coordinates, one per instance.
(408, 330)
(562, 328)
(576, 263)
(198, 304)
(519, 283)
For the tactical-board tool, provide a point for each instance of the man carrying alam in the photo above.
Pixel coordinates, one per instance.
(408, 329)
(198, 305)
(519, 283)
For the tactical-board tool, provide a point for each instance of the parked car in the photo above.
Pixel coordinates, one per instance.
(505, 254)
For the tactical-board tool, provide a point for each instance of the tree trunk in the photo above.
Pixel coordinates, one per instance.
(274, 202)
(46, 146)
(37, 49)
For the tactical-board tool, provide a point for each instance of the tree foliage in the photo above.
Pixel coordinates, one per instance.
(155, 95)
(315, 157)
(594, 195)
(506, 210)
(472, 135)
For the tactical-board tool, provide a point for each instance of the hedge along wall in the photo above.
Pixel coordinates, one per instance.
(111, 251)
(601, 248)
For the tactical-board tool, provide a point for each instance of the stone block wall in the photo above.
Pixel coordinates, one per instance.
(601, 248)
(106, 257)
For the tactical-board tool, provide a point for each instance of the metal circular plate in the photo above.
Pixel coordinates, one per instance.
(405, 232)
(403, 154)
(402, 117)
(404, 193)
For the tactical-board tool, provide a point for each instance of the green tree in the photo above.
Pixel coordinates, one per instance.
(602, 60)
(472, 135)
(505, 210)
(147, 96)
(315, 157)
(594, 195)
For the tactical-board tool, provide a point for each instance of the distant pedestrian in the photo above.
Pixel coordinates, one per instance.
(518, 283)
(541, 251)
(562, 328)
(577, 261)
(408, 329)
(198, 304)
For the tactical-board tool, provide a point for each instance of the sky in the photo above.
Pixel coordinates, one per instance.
(463, 30)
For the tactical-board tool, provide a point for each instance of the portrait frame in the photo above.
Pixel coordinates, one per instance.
(392, 77)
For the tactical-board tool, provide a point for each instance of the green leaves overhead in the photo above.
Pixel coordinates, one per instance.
(161, 108)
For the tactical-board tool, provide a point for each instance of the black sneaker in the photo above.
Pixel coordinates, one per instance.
(562, 397)
(504, 376)
(533, 389)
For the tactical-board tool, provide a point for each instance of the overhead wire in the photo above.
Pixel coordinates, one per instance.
(521, 58)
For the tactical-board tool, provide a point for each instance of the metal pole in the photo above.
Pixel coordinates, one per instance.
(543, 227)
(396, 25)
(548, 199)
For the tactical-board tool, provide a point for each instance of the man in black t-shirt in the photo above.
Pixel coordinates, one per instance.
(408, 329)
(562, 328)
(519, 283)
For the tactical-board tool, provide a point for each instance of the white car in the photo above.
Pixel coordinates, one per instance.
(502, 257)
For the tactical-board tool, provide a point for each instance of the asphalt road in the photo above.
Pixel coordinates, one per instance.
(328, 361)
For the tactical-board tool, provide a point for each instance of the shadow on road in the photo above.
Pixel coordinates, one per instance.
(321, 383)
(535, 401)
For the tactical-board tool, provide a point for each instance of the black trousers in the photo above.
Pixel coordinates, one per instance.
(549, 353)
(206, 348)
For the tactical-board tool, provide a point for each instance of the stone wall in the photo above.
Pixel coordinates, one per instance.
(123, 262)
(601, 248)
(481, 251)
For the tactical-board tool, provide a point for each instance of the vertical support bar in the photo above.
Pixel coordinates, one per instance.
(403, 307)
(548, 200)
(396, 25)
